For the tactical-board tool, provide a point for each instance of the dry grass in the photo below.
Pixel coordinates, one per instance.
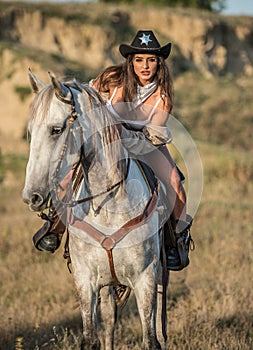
(216, 110)
(210, 304)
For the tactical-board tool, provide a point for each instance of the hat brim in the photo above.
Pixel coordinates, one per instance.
(163, 51)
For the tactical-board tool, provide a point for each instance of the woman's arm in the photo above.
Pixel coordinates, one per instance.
(162, 112)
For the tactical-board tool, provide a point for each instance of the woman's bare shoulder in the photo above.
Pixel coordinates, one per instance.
(163, 100)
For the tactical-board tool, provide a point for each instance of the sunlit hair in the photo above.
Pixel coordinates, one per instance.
(124, 75)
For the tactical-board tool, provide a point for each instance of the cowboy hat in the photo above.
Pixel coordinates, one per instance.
(145, 42)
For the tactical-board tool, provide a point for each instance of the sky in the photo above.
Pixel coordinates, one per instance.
(239, 7)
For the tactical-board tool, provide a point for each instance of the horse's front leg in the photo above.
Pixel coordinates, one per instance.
(146, 297)
(159, 325)
(86, 286)
(88, 300)
(108, 311)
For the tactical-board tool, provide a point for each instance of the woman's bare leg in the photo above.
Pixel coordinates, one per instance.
(165, 169)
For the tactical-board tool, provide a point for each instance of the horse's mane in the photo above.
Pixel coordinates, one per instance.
(41, 103)
(103, 122)
(106, 125)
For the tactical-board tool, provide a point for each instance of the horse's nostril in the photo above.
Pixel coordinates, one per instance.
(37, 199)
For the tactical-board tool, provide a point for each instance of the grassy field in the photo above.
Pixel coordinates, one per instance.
(210, 304)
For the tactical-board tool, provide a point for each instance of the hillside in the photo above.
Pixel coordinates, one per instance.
(211, 60)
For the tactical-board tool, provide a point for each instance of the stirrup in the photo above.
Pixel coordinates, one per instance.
(45, 240)
(49, 243)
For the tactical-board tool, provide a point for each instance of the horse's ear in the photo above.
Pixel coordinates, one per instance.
(61, 89)
(36, 84)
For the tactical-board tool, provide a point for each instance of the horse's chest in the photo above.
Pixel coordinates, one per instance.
(92, 262)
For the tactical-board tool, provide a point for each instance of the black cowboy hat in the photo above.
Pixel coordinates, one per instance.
(145, 42)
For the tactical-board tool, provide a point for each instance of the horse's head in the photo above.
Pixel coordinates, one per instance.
(49, 127)
(50, 111)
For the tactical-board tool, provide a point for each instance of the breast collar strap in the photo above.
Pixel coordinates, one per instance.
(108, 242)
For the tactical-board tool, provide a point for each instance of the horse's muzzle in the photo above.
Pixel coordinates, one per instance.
(35, 200)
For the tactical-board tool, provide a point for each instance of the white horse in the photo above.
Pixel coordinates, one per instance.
(113, 217)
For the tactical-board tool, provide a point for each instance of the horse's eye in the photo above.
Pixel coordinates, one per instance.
(56, 130)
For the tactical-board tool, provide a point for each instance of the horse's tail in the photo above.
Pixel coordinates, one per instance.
(122, 294)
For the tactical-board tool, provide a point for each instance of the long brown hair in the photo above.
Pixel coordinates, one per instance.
(123, 75)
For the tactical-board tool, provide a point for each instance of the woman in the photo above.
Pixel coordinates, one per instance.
(138, 93)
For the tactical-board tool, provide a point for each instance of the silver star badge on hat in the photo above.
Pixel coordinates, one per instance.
(145, 39)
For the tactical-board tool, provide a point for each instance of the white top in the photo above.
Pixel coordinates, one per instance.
(136, 124)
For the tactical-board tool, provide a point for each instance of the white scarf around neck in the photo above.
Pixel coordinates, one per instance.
(143, 92)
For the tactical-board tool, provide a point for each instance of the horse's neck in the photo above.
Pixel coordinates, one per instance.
(123, 202)
(106, 151)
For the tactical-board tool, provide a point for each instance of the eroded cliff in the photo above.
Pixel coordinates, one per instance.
(80, 39)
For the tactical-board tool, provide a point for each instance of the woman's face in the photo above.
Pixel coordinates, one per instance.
(145, 67)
